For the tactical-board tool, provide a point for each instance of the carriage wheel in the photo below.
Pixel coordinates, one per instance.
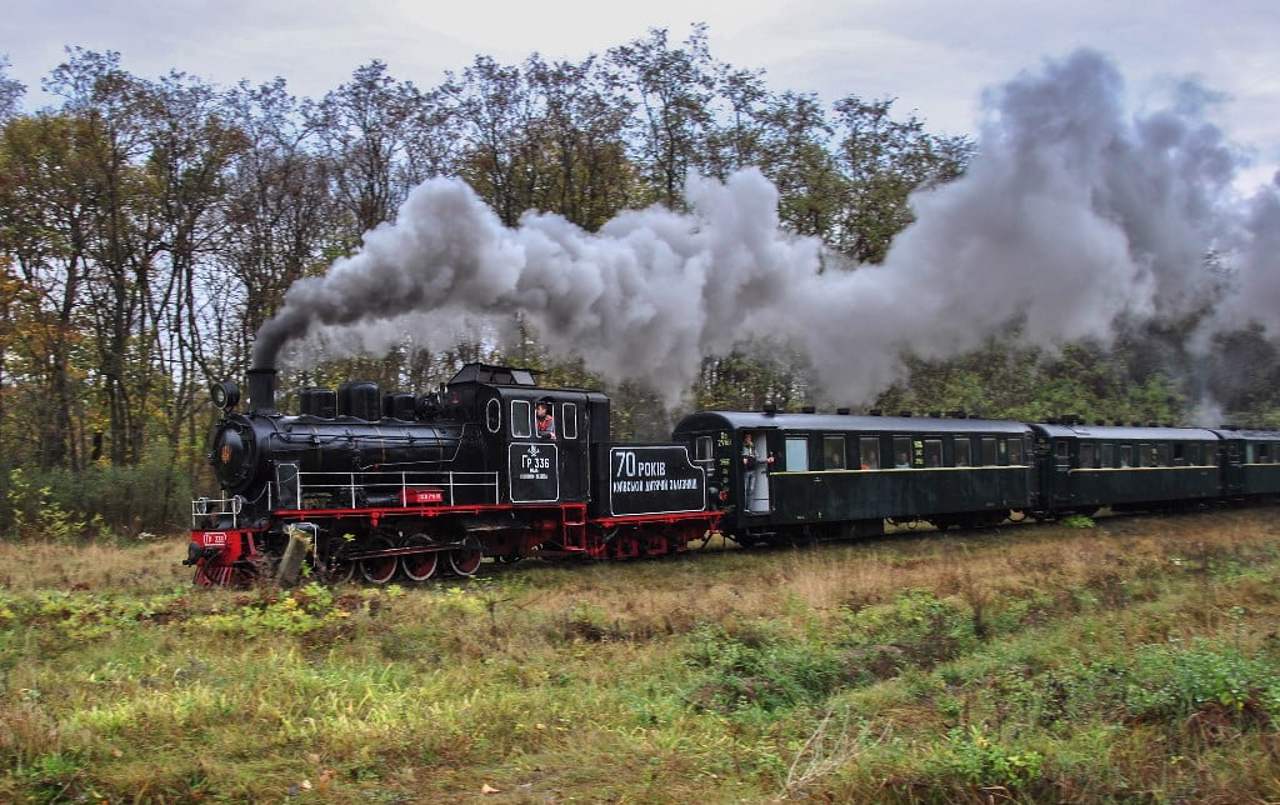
(465, 561)
(379, 569)
(419, 566)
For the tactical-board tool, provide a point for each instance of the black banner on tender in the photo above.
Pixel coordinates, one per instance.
(656, 479)
(533, 471)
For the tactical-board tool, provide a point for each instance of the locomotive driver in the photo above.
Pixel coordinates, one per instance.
(545, 421)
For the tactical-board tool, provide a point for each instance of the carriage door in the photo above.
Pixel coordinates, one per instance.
(1062, 491)
(755, 472)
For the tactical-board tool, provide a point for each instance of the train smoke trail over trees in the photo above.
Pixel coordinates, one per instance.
(1074, 213)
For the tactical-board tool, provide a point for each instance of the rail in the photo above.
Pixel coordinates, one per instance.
(390, 489)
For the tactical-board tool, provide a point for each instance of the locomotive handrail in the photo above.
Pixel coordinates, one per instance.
(357, 483)
(204, 507)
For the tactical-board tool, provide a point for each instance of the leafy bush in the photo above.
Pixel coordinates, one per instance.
(971, 756)
(761, 668)
(1172, 682)
(303, 610)
(918, 625)
(101, 501)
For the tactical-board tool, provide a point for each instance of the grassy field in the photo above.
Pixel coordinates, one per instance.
(1136, 661)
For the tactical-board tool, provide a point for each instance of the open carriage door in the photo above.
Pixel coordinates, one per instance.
(755, 472)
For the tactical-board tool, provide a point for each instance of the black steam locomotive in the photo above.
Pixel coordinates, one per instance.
(394, 484)
(391, 484)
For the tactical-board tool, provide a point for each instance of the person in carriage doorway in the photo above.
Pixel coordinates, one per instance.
(752, 466)
(544, 420)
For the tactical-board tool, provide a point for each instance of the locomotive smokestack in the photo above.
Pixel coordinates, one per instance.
(262, 391)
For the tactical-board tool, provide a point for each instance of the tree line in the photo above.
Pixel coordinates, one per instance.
(148, 226)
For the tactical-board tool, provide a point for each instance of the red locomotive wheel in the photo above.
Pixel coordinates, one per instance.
(465, 561)
(379, 569)
(419, 566)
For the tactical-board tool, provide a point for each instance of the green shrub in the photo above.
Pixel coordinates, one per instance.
(918, 626)
(1171, 682)
(761, 669)
(972, 757)
(101, 501)
(1078, 521)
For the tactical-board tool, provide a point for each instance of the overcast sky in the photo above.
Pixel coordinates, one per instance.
(935, 57)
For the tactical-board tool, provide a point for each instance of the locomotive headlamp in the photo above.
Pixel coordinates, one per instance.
(225, 395)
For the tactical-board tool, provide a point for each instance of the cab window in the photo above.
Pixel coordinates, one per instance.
(869, 452)
(704, 449)
(833, 452)
(493, 416)
(520, 422)
(569, 422)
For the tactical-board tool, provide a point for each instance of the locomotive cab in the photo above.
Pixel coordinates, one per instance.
(538, 439)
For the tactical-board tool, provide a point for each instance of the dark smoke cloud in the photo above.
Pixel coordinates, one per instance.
(1075, 213)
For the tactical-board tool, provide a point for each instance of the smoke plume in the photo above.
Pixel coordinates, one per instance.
(1074, 213)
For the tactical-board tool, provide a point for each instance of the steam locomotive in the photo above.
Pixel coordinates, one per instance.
(492, 465)
(395, 484)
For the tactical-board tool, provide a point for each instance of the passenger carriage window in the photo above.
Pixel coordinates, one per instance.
(1108, 456)
(1191, 454)
(1015, 452)
(1249, 453)
(869, 452)
(1086, 455)
(493, 416)
(1150, 456)
(833, 452)
(1264, 454)
(797, 454)
(1126, 455)
(932, 453)
(704, 449)
(962, 451)
(1002, 452)
(901, 451)
(988, 451)
(1163, 455)
(570, 423)
(520, 423)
